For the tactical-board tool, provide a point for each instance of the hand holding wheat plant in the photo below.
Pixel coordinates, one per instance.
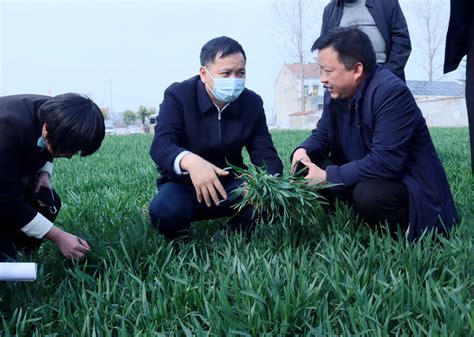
(280, 199)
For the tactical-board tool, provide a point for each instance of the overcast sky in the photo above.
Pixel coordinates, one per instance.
(125, 53)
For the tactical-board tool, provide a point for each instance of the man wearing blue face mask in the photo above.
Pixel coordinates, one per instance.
(203, 125)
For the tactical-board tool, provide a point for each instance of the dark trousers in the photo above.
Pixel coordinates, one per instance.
(13, 239)
(377, 201)
(175, 207)
(470, 88)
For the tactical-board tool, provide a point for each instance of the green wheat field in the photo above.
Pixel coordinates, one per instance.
(328, 276)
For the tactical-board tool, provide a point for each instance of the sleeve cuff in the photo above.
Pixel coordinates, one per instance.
(333, 175)
(38, 227)
(48, 167)
(177, 160)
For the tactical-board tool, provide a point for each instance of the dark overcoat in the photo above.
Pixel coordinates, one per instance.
(383, 135)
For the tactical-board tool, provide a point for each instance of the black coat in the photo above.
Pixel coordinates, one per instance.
(389, 18)
(462, 14)
(188, 120)
(20, 156)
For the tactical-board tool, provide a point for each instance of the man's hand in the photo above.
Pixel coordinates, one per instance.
(315, 173)
(299, 155)
(205, 178)
(43, 180)
(70, 245)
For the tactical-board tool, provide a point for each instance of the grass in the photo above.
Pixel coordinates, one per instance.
(331, 276)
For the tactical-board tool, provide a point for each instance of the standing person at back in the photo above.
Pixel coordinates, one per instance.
(382, 20)
(203, 125)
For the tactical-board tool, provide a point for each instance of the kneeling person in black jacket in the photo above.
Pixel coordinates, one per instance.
(35, 129)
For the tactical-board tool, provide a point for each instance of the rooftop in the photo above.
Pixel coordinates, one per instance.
(310, 70)
(304, 113)
(435, 88)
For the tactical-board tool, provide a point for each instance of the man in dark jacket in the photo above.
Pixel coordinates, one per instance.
(459, 43)
(33, 130)
(373, 140)
(202, 127)
(382, 20)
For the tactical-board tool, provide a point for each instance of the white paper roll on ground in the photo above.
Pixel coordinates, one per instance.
(17, 271)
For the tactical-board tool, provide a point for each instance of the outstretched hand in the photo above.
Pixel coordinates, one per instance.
(71, 246)
(205, 178)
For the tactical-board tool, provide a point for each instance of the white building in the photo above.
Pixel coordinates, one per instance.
(287, 96)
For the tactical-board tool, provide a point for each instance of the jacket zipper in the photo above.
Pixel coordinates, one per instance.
(219, 119)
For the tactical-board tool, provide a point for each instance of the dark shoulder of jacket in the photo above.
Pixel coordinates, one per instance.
(252, 96)
(386, 83)
(15, 107)
(252, 99)
(178, 88)
(23, 99)
(329, 12)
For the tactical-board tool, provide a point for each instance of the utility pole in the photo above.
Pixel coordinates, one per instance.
(111, 107)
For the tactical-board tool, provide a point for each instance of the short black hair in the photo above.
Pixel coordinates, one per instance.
(220, 46)
(352, 46)
(74, 124)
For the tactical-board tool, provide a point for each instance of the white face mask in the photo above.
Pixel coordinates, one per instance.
(227, 90)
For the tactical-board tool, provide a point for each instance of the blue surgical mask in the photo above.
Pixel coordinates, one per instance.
(41, 143)
(228, 89)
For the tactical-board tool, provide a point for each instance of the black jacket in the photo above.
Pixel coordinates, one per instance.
(188, 120)
(389, 18)
(460, 19)
(20, 157)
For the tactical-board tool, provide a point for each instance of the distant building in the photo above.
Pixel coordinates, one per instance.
(287, 96)
(442, 103)
(304, 119)
(121, 128)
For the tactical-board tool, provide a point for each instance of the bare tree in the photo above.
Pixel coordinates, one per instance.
(431, 17)
(298, 21)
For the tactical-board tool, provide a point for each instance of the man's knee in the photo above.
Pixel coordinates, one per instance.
(382, 201)
(366, 197)
(168, 216)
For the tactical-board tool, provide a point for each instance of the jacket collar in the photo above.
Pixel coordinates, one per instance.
(363, 87)
(204, 101)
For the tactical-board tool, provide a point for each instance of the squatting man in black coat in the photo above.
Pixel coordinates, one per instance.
(33, 130)
(203, 125)
(372, 139)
